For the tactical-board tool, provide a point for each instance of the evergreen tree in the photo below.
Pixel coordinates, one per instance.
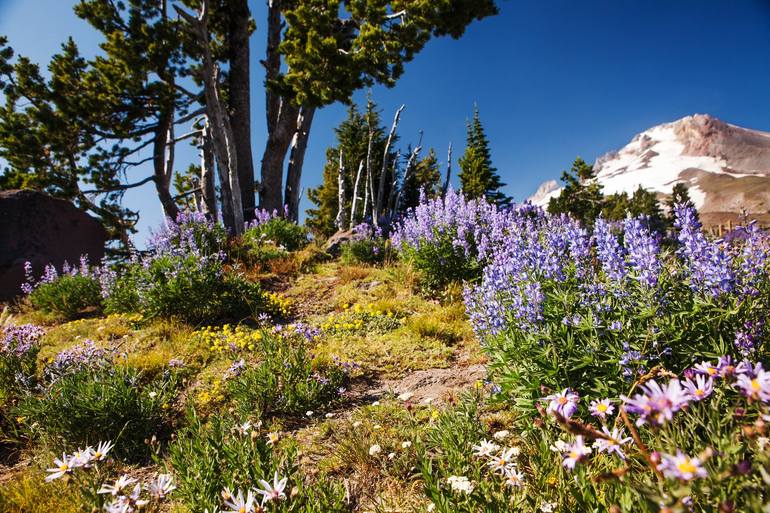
(426, 176)
(478, 178)
(353, 138)
(679, 195)
(644, 202)
(581, 197)
(615, 207)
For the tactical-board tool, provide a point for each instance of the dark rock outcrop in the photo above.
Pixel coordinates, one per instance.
(334, 244)
(38, 228)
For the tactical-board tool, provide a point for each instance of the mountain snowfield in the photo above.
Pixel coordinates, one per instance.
(726, 167)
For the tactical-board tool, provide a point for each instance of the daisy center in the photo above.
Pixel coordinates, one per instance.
(755, 385)
(562, 400)
(687, 467)
(602, 408)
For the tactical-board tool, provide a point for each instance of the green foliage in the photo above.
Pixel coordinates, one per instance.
(209, 458)
(278, 231)
(97, 404)
(68, 295)
(441, 263)
(184, 288)
(374, 251)
(581, 196)
(679, 196)
(644, 202)
(334, 48)
(287, 379)
(615, 207)
(478, 178)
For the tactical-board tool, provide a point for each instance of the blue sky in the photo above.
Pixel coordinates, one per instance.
(553, 79)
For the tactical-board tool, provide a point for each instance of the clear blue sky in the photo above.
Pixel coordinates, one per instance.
(553, 78)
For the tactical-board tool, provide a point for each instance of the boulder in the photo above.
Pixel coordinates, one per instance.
(334, 244)
(43, 230)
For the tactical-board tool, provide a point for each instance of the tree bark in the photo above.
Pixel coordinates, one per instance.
(448, 169)
(340, 221)
(407, 175)
(239, 98)
(355, 195)
(162, 177)
(369, 194)
(377, 205)
(208, 188)
(296, 161)
(221, 129)
(281, 117)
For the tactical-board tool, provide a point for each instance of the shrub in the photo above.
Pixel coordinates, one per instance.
(66, 294)
(91, 403)
(222, 455)
(277, 231)
(19, 346)
(190, 232)
(287, 379)
(184, 287)
(559, 308)
(442, 238)
(367, 247)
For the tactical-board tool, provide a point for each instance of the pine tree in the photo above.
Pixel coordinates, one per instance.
(679, 195)
(645, 203)
(353, 138)
(478, 178)
(581, 197)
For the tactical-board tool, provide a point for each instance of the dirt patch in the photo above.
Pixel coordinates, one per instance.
(431, 385)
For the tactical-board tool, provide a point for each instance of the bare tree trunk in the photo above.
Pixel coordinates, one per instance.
(377, 205)
(239, 98)
(355, 194)
(296, 161)
(221, 130)
(208, 187)
(162, 177)
(448, 170)
(388, 208)
(407, 175)
(340, 221)
(369, 196)
(281, 117)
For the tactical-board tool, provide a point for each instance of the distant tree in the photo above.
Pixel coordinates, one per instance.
(320, 52)
(478, 178)
(353, 139)
(426, 176)
(645, 203)
(581, 196)
(680, 194)
(615, 206)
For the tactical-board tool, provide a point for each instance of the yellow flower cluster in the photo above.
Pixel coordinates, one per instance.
(277, 305)
(355, 317)
(228, 338)
(214, 395)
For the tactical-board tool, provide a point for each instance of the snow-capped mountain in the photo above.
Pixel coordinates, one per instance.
(726, 167)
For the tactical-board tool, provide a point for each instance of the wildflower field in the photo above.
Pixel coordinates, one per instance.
(467, 358)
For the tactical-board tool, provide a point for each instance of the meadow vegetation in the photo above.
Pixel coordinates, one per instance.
(625, 369)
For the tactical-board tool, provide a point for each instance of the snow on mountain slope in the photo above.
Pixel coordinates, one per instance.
(726, 167)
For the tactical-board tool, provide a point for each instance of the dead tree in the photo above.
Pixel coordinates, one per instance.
(448, 170)
(296, 160)
(355, 194)
(408, 172)
(221, 129)
(378, 204)
(340, 221)
(208, 188)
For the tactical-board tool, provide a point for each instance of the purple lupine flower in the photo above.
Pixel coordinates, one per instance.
(20, 340)
(681, 466)
(709, 263)
(643, 248)
(85, 355)
(609, 250)
(565, 403)
(657, 403)
(575, 452)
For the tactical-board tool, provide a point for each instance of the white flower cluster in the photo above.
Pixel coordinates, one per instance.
(82, 458)
(238, 503)
(501, 461)
(128, 502)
